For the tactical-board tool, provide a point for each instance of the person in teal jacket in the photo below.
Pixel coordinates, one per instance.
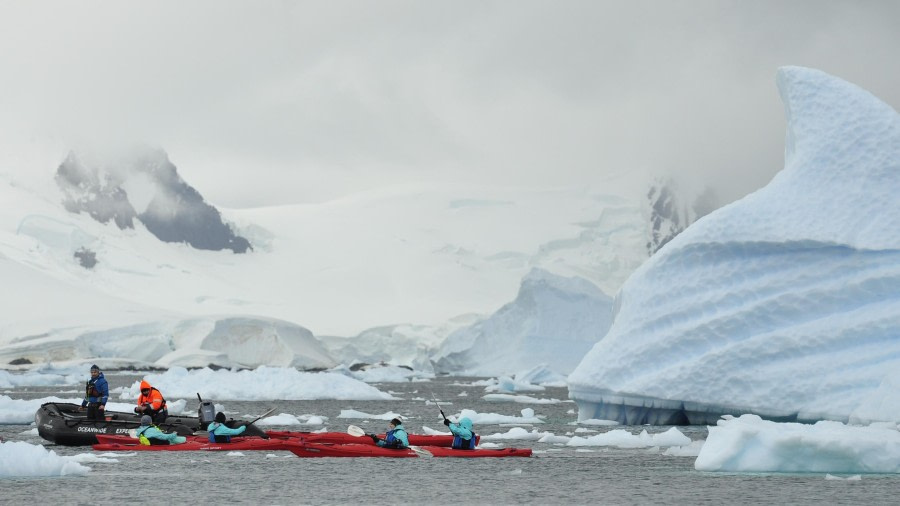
(219, 433)
(396, 436)
(154, 436)
(463, 435)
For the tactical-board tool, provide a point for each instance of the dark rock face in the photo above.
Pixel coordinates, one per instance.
(670, 215)
(86, 257)
(175, 212)
(103, 200)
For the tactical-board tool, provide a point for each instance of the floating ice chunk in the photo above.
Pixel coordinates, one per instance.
(269, 383)
(621, 438)
(25, 459)
(21, 412)
(352, 413)
(494, 418)
(856, 477)
(289, 419)
(523, 399)
(751, 444)
(517, 433)
(691, 450)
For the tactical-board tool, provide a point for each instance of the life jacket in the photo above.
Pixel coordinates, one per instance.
(146, 441)
(150, 398)
(392, 441)
(90, 390)
(464, 444)
(216, 438)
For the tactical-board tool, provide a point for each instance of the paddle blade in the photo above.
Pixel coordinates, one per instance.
(421, 452)
(353, 430)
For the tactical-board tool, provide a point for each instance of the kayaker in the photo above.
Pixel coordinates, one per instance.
(463, 435)
(219, 433)
(150, 434)
(396, 436)
(96, 393)
(151, 402)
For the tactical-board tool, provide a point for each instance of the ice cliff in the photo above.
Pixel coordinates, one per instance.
(784, 304)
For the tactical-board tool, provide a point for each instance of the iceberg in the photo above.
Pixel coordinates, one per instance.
(751, 444)
(282, 383)
(553, 322)
(20, 459)
(785, 303)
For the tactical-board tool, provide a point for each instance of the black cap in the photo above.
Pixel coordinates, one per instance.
(395, 422)
(95, 367)
(220, 417)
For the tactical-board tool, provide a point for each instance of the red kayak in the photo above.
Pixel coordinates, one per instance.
(312, 450)
(302, 449)
(441, 451)
(344, 438)
(236, 445)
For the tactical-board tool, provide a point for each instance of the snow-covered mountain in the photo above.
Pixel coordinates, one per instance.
(553, 321)
(93, 277)
(786, 303)
(142, 184)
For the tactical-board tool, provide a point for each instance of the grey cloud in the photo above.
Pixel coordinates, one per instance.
(304, 101)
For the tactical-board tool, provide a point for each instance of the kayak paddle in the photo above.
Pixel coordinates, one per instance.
(439, 406)
(267, 413)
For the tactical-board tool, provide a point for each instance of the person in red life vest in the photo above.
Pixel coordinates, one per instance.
(151, 402)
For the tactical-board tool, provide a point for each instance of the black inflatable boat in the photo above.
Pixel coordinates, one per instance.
(66, 424)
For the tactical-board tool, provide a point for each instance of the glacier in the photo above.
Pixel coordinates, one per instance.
(784, 304)
(397, 269)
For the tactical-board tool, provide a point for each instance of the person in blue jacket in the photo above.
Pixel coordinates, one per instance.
(463, 435)
(219, 433)
(96, 393)
(150, 434)
(396, 436)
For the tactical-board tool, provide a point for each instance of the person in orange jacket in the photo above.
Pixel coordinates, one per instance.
(151, 402)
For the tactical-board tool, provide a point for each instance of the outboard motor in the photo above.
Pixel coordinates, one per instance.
(207, 414)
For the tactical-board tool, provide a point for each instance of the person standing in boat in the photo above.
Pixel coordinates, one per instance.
(151, 402)
(149, 434)
(219, 433)
(96, 393)
(463, 435)
(396, 436)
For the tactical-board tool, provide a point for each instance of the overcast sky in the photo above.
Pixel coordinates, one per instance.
(273, 102)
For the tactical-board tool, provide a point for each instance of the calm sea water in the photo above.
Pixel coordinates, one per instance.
(554, 475)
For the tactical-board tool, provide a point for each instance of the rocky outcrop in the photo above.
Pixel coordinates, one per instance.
(144, 185)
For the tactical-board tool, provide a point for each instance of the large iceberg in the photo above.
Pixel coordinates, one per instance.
(554, 320)
(786, 303)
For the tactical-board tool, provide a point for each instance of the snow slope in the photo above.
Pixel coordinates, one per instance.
(413, 258)
(786, 303)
